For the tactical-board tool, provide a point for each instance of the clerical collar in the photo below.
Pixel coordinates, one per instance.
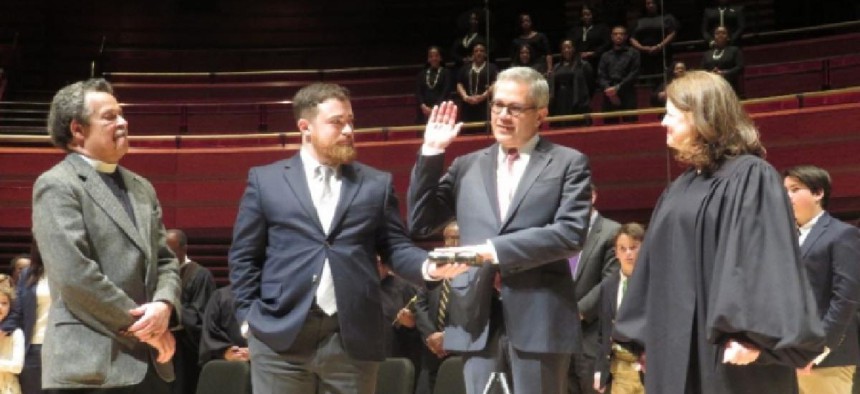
(98, 165)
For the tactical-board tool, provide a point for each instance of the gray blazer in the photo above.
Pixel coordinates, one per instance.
(546, 224)
(99, 266)
(596, 263)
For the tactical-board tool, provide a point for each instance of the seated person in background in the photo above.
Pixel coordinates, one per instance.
(540, 49)
(658, 98)
(401, 338)
(570, 84)
(431, 308)
(589, 38)
(724, 59)
(614, 363)
(525, 59)
(473, 85)
(16, 265)
(433, 84)
(724, 15)
(197, 286)
(222, 338)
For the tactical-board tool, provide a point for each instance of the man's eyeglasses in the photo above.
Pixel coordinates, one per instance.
(514, 110)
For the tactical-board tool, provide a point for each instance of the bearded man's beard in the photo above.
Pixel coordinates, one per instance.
(340, 154)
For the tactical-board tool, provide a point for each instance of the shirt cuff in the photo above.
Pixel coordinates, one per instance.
(245, 330)
(425, 272)
(429, 151)
(493, 252)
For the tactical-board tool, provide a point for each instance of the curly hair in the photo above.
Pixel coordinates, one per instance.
(69, 104)
(723, 129)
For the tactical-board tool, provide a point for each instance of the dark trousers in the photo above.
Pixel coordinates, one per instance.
(427, 372)
(581, 375)
(31, 376)
(151, 384)
(627, 99)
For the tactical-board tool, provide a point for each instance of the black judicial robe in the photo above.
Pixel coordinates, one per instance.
(220, 328)
(721, 261)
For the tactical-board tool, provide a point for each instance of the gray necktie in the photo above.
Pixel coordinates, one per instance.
(326, 202)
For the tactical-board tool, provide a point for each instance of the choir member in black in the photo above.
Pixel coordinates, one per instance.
(473, 86)
(719, 299)
(724, 14)
(222, 338)
(651, 37)
(590, 38)
(525, 59)
(658, 97)
(197, 286)
(433, 84)
(724, 59)
(541, 51)
(571, 84)
(616, 75)
(614, 365)
(461, 49)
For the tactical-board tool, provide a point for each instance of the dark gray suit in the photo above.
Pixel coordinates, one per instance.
(546, 224)
(831, 254)
(596, 263)
(100, 264)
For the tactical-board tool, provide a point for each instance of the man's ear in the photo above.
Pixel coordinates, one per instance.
(77, 130)
(542, 114)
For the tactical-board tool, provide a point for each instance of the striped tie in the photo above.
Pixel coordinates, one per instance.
(443, 304)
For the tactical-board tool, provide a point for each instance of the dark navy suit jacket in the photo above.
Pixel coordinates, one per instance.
(831, 254)
(279, 248)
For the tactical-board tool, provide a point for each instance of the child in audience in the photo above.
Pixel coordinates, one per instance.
(613, 359)
(11, 346)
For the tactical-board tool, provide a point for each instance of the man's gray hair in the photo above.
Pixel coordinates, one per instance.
(69, 104)
(538, 87)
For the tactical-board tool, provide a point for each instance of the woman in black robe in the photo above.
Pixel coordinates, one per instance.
(719, 299)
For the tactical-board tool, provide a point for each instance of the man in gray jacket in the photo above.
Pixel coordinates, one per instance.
(114, 283)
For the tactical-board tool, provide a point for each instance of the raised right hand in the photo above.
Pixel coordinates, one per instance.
(441, 126)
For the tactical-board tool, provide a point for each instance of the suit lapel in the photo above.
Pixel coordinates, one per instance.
(350, 182)
(815, 233)
(294, 174)
(140, 206)
(105, 199)
(539, 160)
(488, 175)
(590, 244)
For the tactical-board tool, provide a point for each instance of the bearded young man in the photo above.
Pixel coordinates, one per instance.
(303, 259)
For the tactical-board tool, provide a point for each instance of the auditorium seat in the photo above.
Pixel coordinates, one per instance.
(225, 377)
(396, 376)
